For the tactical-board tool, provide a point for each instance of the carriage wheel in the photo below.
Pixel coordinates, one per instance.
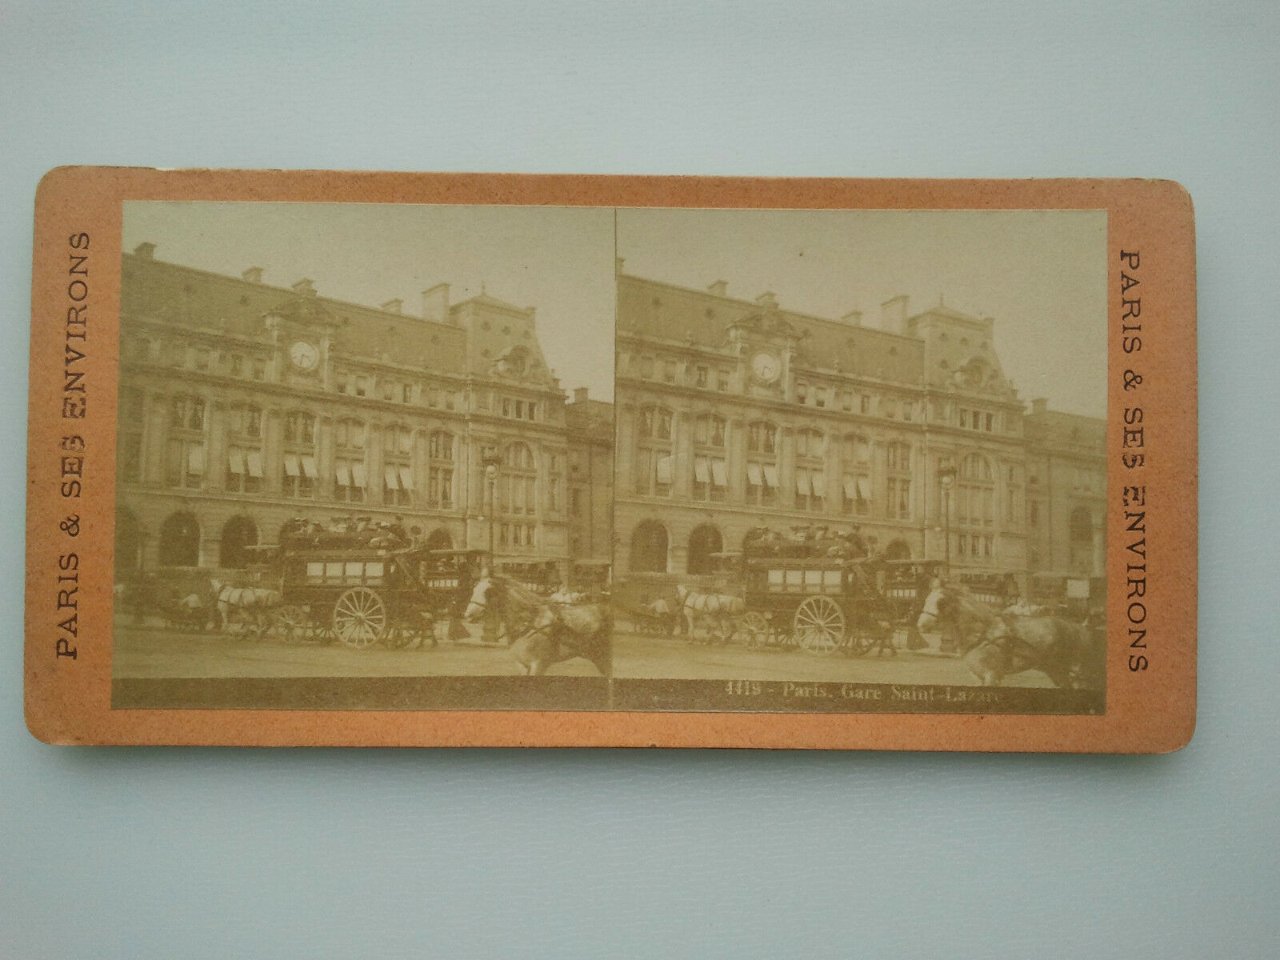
(819, 625)
(291, 624)
(359, 617)
(756, 629)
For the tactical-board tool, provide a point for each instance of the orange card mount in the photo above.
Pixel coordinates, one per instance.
(386, 459)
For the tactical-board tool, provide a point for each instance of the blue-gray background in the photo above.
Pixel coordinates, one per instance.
(235, 853)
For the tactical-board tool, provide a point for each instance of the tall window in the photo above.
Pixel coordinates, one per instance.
(710, 469)
(185, 451)
(898, 482)
(855, 475)
(349, 434)
(132, 423)
(244, 449)
(762, 463)
(397, 469)
(440, 457)
(349, 474)
(519, 481)
(300, 472)
(975, 493)
(654, 459)
(811, 473)
(555, 480)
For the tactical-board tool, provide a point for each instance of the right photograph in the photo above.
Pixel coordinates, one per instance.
(860, 460)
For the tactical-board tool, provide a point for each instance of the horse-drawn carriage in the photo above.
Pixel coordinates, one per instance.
(360, 595)
(824, 605)
(822, 602)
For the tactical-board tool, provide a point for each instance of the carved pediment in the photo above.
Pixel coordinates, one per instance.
(766, 324)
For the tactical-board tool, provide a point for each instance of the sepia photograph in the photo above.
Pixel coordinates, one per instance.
(362, 442)
(861, 460)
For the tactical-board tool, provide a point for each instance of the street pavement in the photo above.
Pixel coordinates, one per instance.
(152, 651)
(648, 656)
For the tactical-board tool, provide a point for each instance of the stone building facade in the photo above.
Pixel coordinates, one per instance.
(244, 405)
(735, 414)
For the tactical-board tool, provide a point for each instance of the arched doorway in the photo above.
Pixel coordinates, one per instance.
(704, 541)
(180, 541)
(1080, 537)
(238, 534)
(649, 547)
(898, 550)
(128, 557)
(439, 539)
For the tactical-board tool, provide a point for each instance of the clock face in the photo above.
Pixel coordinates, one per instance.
(304, 355)
(765, 367)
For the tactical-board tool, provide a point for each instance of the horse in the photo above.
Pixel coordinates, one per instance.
(1068, 653)
(718, 612)
(997, 645)
(544, 633)
(248, 604)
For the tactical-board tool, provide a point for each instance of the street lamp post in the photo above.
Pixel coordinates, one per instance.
(491, 461)
(946, 477)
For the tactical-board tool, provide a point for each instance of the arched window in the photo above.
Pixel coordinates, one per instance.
(762, 463)
(128, 544)
(811, 470)
(704, 542)
(397, 469)
(710, 468)
(440, 456)
(238, 534)
(649, 547)
(654, 458)
(855, 475)
(898, 482)
(180, 541)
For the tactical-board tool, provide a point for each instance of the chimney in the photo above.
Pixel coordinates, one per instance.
(1039, 405)
(435, 303)
(893, 314)
(853, 318)
(145, 251)
(394, 306)
(305, 287)
(719, 289)
(579, 394)
(252, 275)
(768, 300)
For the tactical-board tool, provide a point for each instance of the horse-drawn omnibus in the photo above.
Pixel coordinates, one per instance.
(822, 604)
(361, 594)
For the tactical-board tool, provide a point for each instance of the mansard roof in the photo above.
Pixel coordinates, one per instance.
(650, 308)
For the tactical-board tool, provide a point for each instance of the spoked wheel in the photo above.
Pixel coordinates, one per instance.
(756, 629)
(359, 618)
(292, 624)
(819, 625)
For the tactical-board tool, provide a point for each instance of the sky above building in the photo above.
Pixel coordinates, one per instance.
(559, 260)
(1040, 274)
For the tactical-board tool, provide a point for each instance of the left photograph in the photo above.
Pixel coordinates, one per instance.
(365, 456)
